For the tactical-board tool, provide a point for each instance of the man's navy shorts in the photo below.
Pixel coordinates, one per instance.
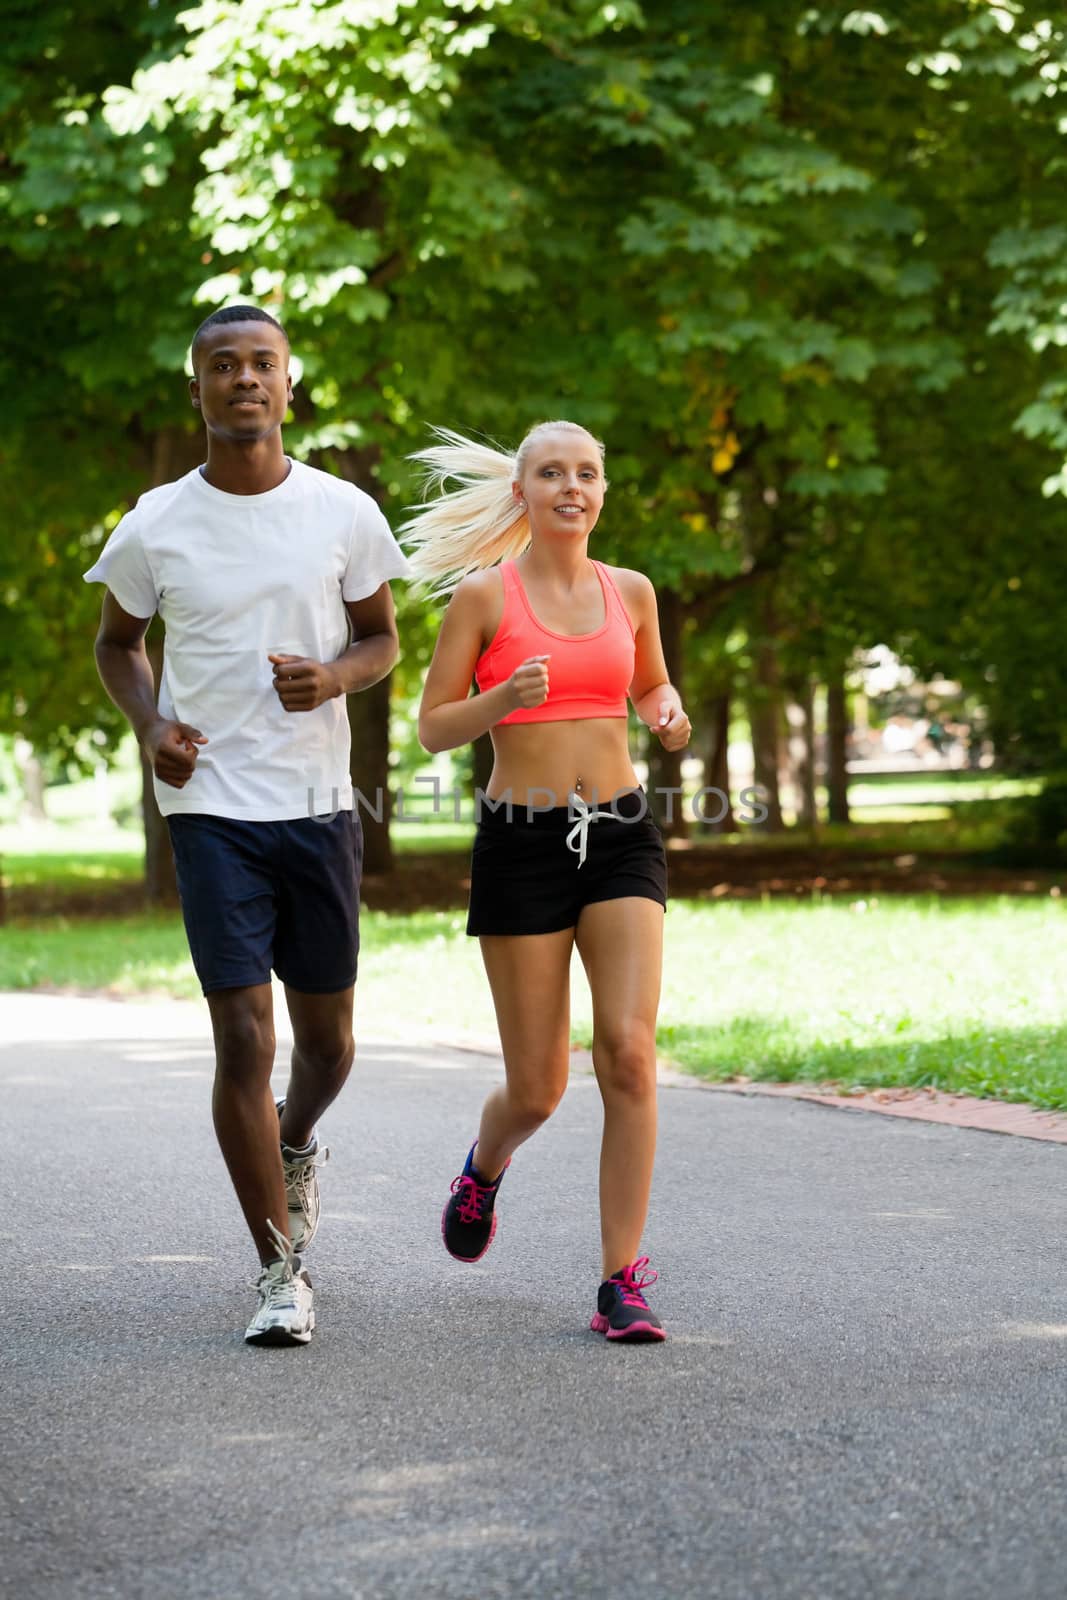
(257, 895)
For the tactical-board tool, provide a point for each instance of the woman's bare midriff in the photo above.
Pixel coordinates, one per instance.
(543, 763)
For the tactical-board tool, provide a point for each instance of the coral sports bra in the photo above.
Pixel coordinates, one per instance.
(589, 673)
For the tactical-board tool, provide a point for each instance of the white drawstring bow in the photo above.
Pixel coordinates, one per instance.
(578, 837)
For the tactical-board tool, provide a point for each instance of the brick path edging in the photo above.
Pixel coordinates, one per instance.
(924, 1105)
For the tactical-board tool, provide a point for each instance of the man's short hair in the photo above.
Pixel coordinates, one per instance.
(233, 314)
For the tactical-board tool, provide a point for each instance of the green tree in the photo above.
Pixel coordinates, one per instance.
(759, 250)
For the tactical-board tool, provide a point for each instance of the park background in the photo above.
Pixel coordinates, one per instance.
(801, 266)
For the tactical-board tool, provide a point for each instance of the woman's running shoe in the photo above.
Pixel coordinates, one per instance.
(622, 1311)
(468, 1221)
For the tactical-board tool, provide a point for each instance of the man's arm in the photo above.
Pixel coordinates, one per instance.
(303, 684)
(375, 643)
(126, 673)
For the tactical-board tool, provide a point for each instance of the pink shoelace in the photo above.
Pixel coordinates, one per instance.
(631, 1284)
(475, 1196)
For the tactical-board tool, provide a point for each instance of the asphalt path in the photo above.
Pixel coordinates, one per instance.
(863, 1392)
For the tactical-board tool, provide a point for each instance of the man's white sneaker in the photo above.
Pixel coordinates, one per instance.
(302, 1190)
(285, 1314)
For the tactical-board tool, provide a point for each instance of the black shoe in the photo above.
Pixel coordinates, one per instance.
(468, 1221)
(622, 1310)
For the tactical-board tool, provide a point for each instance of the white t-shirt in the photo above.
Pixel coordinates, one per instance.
(235, 577)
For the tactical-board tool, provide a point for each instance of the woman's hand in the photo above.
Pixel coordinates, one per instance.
(672, 727)
(528, 684)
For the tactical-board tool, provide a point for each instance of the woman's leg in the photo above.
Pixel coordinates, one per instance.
(621, 946)
(529, 975)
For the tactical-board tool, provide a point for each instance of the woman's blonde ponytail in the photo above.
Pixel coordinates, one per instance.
(467, 527)
(477, 523)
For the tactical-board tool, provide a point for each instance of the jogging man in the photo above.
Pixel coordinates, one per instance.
(272, 581)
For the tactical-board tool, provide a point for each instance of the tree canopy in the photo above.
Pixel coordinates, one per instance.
(800, 265)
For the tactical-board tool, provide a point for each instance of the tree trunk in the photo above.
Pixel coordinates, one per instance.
(368, 719)
(764, 715)
(800, 712)
(665, 766)
(174, 453)
(31, 777)
(369, 710)
(160, 879)
(837, 748)
(717, 809)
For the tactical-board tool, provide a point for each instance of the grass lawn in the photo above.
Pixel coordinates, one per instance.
(74, 870)
(965, 995)
(961, 995)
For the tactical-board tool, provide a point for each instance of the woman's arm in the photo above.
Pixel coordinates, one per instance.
(449, 716)
(656, 700)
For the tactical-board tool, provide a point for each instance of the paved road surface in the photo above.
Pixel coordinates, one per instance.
(864, 1394)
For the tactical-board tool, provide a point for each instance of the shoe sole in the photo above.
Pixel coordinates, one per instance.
(636, 1333)
(470, 1260)
(282, 1336)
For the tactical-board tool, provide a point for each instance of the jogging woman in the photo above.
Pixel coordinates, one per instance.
(565, 853)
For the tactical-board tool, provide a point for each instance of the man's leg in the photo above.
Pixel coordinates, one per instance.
(246, 1121)
(226, 876)
(316, 952)
(323, 1051)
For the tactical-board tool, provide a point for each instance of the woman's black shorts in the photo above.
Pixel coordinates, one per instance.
(530, 873)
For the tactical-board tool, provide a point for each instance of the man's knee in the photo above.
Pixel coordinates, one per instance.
(322, 1033)
(326, 1052)
(244, 1036)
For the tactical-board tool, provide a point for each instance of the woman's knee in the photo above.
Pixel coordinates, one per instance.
(534, 1103)
(626, 1063)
